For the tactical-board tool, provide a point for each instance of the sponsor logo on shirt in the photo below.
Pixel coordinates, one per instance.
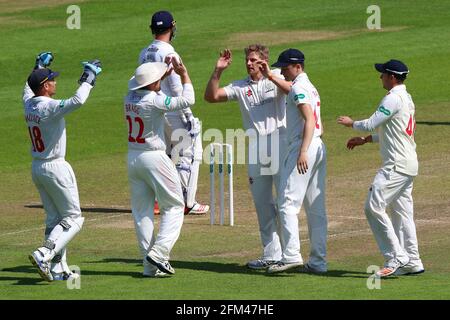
(261, 103)
(299, 96)
(167, 101)
(385, 111)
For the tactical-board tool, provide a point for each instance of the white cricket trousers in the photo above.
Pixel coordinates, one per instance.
(396, 236)
(264, 176)
(57, 186)
(307, 189)
(152, 174)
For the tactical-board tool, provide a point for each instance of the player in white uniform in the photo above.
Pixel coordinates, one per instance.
(182, 122)
(263, 110)
(52, 175)
(303, 170)
(151, 172)
(392, 187)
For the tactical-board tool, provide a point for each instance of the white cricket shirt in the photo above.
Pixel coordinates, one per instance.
(302, 92)
(144, 113)
(157, 51)
(45, 119)
(262, 104)
(395, 125)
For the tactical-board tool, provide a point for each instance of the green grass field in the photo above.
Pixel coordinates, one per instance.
(210, 260)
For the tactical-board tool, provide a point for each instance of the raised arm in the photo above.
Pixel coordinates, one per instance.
(285, 86)
(187, 98)
(27, 93)
(213, 92)
(87, 81)
(43, 60)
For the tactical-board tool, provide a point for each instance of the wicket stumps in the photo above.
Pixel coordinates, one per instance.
(229, 153)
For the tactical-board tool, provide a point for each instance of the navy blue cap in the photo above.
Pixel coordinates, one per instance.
(289, 56)
(39, 76)
(392, 66)
(161, 20)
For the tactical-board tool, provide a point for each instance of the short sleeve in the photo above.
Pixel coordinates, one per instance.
(230, 90)
(300, 95)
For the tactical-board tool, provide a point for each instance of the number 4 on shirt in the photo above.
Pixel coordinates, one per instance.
(411, 126)
(315, 116)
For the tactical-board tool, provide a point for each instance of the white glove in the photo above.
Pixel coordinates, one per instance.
(193, 126)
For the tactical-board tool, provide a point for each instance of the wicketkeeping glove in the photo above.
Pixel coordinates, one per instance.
(91, 70)
(43, 60)
(193, 126)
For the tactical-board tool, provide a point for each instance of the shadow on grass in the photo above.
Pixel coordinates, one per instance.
(434, 123)
(23, 281)
(190, 265)
(219, 267)
(339, 274)
(84, 271)
(117, 260)
(216, 267)
(92, 210)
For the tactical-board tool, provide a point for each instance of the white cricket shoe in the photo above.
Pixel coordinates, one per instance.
(280, 266)
(36, 259)
(197, 209)
(260, 264)
(150, 271)
(410, 269)
(64, 276)
(156, 274)
(162, 265)
(390, 268)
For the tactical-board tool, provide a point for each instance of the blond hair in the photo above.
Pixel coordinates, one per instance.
(261, 50)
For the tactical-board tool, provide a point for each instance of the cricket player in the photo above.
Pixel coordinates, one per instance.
(394, 124)
(151, 172)
(303, 171)
(263, 111)
(180, 122)
(52, 175)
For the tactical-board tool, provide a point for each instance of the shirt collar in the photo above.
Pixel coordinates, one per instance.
(301, 76)
(155, 41)
(40, 98)
(398, 88)
(251, 81)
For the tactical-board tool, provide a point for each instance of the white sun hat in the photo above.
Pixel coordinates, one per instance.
(146, 74)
